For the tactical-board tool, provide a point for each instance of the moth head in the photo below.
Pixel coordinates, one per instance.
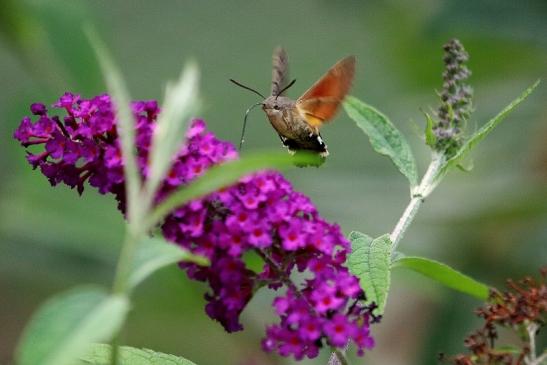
(274, 105)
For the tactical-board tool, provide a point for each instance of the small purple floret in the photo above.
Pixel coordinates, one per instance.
(38, 109)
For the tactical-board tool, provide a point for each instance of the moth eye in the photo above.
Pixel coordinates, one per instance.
(276, 107)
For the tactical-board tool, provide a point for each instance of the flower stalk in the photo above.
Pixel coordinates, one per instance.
(135, 232)
(419, 194)
(532, 359)
(456, 94)
(446, 137)
(455, 109)
(338, 357)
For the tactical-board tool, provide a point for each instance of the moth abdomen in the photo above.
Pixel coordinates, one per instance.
(311, 142)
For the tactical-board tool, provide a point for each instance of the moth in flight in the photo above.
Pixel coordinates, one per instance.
(297, 122)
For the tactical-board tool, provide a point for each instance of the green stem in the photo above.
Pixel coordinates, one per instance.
(338, 357)
(133, 235)
(115, 349)
(427, 185)
(540, 360)
(531, 329)
(123, 266)
(119, 285)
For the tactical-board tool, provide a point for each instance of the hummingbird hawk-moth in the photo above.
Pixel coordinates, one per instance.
(297, 122)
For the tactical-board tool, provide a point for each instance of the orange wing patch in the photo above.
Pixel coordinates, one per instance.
(320, 102)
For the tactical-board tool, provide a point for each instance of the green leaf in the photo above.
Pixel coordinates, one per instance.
(100, 354)
(474, 140)
(306, 161)
(444, 274)
(180, 104)
(430, 138)
(369, 261)
(124, 117)
(224, 175)
(31, 30)
(154, 253)
(507, 349)
(64, 328)
(383, 136)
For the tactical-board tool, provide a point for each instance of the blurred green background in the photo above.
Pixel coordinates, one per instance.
(490, 223)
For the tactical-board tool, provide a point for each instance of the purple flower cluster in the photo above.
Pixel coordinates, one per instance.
(84, 145)
(456, 99)
(320, 302)
(263, 214)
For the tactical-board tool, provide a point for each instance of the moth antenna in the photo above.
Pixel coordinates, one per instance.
(245, 124)
(285, 88)
(248, 88)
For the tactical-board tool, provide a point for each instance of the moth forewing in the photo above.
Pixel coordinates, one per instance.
(321, 101)
(280, 71)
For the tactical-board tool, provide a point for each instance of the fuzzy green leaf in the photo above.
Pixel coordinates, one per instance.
(65, 327)
(226, 174)
(384, 137)
(100, 354)
(474, 140)
(444, 274)
(370, 262)
(154, 253)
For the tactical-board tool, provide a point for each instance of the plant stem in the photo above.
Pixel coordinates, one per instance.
(115, 349)
(540, 360)
(285, 279)
(405, 220)
(419, 194)
(133, 235)
(531, 329)
(338, 357)
(119, 286)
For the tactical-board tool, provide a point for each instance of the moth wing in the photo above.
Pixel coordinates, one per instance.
(280, 70)
(321, 101)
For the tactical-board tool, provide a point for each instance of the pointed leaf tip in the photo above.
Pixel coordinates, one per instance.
(484, 131)
(444, 274)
